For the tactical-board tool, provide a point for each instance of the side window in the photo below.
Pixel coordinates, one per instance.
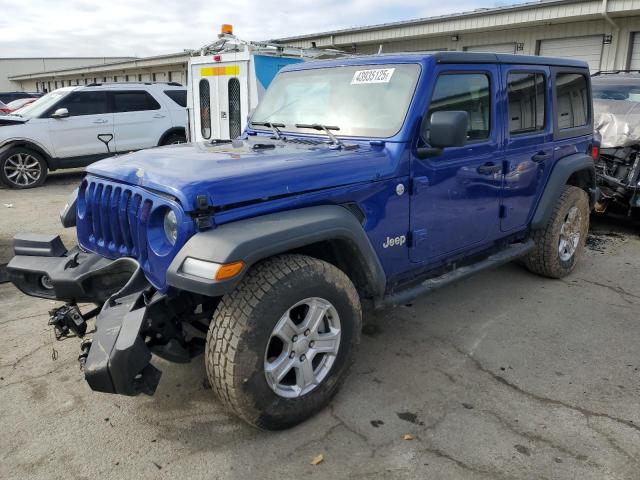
(178, 96)
(85, 103)
(573, 96)
(137, 101)
(205, 108)
(526, 102)
(469, 92)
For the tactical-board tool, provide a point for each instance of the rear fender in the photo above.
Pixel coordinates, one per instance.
(577, 168)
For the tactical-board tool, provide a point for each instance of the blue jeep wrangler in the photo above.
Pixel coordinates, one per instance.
(360, 182)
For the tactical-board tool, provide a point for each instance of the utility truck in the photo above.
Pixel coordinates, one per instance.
(228, 78)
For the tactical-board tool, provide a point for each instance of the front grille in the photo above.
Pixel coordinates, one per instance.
(114, 219)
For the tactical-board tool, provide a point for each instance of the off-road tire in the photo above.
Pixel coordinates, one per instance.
(11, 152)
(242, 325)
(545, 259)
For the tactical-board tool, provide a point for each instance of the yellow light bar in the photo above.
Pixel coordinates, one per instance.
(220, 71)
(227, 29)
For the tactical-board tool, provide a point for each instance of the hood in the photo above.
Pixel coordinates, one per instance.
(239, 172)
(11, 120)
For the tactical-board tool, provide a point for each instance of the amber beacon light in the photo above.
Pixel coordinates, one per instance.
(227, 29)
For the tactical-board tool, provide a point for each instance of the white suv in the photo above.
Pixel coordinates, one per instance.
(75, 126)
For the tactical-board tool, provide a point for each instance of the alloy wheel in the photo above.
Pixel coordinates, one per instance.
(22, 169)
(302, 347)
(570, 234)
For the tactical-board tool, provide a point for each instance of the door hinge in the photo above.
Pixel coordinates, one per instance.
(417, 237)
(503, 211)
(419, 183)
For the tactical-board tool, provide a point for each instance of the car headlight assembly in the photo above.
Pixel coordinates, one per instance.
(171, 227)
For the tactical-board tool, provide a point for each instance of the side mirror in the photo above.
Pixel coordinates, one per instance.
(60, 113)
(448, 129)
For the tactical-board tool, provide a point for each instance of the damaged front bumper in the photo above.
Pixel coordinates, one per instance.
(117, 359)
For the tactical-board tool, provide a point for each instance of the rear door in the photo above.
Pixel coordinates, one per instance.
(77, 135)
(455, 196)
(220, 94)
(139, 120)
(528, 141)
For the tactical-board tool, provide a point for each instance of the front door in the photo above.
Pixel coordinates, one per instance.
(77, 134)
(528, 142)
(455, 195)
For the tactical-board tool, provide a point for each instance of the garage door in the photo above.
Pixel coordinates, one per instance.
(634, 64)
(496, 48)
(588, 49)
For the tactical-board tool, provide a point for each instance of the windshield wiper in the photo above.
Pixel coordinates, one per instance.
(274, 128)
(335, 141)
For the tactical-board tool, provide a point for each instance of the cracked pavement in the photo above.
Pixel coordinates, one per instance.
(504, 375)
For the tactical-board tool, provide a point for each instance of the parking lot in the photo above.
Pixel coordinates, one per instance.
(504, 375)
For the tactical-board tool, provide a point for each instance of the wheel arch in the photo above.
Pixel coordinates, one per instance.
(31, 146)
(171, 131)
(577, 170)
(330, 232)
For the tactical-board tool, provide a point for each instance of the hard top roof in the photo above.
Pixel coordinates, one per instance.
(445, 58)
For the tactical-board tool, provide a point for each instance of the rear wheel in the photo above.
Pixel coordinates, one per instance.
(281, 343)
(561, 242)
(175, 139)
(22, 168)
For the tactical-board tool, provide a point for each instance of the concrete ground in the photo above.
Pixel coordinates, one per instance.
(503, 375)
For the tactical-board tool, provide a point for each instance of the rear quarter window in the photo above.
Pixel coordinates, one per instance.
(178, 96)
(572, 95)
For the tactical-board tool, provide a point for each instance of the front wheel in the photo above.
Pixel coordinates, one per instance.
(559, 245)
(281, 343)
(175, 139)
(22, 168)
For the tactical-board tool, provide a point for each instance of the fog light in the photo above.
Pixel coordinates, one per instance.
(45, 281)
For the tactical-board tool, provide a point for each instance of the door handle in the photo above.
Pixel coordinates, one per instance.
(159, 115)
(541, 157)
(489, 168)
(100, 121)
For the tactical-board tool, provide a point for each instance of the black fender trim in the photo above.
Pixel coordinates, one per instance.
(171, 131)
(562, 171)
(257, 238)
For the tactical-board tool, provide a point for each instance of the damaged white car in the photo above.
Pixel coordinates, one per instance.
(616, 103)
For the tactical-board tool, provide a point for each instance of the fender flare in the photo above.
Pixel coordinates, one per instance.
(36, 147)
(558, 179)
(257, 238)
(171, 131)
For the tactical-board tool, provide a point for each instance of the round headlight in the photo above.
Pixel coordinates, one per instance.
(171, 226)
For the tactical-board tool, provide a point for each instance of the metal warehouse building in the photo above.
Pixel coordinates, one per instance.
(605, 33)
(17, 67)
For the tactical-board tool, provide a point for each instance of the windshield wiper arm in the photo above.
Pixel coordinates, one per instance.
(326, 129)
(273, 126)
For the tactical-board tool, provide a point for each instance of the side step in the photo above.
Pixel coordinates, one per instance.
(510, 253)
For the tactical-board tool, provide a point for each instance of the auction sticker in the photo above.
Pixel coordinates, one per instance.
(379, 75)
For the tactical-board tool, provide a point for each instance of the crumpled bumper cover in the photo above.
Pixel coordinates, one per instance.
(118, 359)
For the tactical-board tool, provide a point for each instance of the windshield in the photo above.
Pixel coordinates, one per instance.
(362, 101)
(608, 90)
(41, 105)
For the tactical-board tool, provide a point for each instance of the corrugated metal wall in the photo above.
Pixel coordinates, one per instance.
(527, 40)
